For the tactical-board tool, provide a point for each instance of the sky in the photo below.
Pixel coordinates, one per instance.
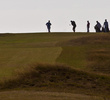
(22, 16)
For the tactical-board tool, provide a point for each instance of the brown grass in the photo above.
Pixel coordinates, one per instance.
(39, 95)
(92, 49)
(99, 60)
(88, 39)
(60, 78)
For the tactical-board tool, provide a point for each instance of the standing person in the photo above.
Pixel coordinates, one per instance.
(106, 26)
(74, 25)
(48, 24)
(98, 27)
(88, 26)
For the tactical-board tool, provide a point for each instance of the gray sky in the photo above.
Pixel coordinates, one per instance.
(31, 15)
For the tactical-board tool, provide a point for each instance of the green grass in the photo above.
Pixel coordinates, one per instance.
(13, 58)
(86, 54)
(74, 56)
(19, 50)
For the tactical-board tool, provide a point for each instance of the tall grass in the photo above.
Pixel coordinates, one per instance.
(62, 77)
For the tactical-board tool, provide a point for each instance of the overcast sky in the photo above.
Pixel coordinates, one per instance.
(31, 15)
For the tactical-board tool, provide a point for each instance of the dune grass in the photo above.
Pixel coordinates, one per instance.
(90, 53)
(58, 77)
(87, 56)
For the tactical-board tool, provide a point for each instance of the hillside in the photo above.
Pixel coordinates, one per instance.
(58, 77)
(91, 53)
(76, 63)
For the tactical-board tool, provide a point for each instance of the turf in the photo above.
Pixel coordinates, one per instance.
(85, 53)
(19, 50)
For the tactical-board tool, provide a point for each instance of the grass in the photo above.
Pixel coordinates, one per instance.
(33, 95)
(86, 55)
(13, 58)
(57, 77)
(19, 50)
(90, 53)
(73, 56)
(99, 62)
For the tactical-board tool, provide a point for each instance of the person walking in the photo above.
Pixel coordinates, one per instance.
(48, 24)
(88, 26)
(74, 25)
(106, 26)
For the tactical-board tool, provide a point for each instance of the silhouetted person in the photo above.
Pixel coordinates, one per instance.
(48, 24)
(103, 29)
(106, 26)
(88, 26)
(74, 25)
(97, 27)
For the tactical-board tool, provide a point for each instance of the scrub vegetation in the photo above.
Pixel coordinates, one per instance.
(66, 63)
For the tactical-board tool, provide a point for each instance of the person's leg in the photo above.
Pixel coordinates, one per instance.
(88, 29)
(48, 29)
(73, 29)
(105, 29)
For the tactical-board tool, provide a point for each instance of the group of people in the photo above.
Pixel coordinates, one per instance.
(97, 27)
(104, 28)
